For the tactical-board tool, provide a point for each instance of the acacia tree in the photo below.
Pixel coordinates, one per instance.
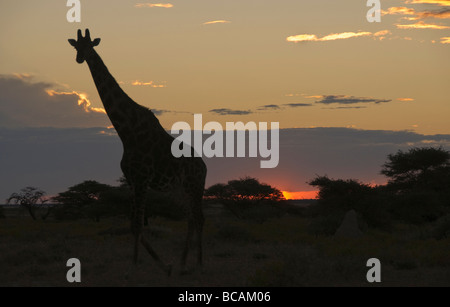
(84, 195)
(29, 198)
(420, 181)
(245, 189)
(423, 168)
(247, 198)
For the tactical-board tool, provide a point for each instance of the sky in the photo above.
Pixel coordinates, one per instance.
(346, 92)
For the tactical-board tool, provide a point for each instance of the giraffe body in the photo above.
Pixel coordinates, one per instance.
(147, 161)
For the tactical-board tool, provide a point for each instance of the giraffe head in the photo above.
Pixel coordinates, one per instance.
(83, 45)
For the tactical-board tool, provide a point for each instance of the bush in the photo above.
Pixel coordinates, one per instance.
(417, 207)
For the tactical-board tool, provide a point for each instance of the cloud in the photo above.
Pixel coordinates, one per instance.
(440, 14)
(335, 36)
(414, 15)
(83, 101)
(422, 25)
(355, 107)
(216, 21)
(273, 107)
(345, 99)
(296, 105)
(225, 111)
(438, 2)
(148, 83)
(405, 99)
(54, 159)
(64, 157)
(330, 37)
(269, 107)
(445, 40)
(162, 5)
(396, 10)
(159, 112)
(24, 103)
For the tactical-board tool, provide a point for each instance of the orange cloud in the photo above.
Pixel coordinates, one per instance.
(396, 10)
(23, 76)
(422, 25)
(329, 37)
(150, 83)
(163, 5)
(438, 2)
(83, 101)
(405, 99)
(216, 21)
(445, 40)
(440, 14)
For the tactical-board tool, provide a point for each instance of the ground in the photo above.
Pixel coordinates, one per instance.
(276, 252)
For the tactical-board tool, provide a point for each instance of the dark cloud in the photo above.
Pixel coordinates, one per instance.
(443, 13)
(24, 103)
(354, 107)
(296, 105)
(159, 112)
(273, 107)
(231, 112)
(54, 159)
(269, 107)
(345, 99)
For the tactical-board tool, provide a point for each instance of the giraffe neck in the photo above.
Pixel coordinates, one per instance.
(118, 105)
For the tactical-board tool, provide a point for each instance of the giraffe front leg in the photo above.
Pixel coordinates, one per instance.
(186, 246)
(136, 247)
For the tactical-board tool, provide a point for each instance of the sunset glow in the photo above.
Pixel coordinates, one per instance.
(300, 195)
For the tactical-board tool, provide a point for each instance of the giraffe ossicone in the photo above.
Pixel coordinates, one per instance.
(147, 162)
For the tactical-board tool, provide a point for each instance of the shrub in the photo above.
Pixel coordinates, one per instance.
(417, 207)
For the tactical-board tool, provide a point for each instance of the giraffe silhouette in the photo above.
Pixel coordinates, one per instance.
(147, 161)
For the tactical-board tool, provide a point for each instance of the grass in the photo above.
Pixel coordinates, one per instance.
(278, 252)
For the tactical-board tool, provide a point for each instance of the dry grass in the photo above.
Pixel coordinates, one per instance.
(278, 252)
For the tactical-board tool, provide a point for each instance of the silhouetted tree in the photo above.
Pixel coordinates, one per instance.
(337, 196)
(2, 213)
(246, 189)
(248, 198)
(30, 198)
(83, 198)
(424, 168)
(419, 180)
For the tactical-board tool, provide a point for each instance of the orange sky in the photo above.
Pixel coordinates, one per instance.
(300, 195)
(312, 63)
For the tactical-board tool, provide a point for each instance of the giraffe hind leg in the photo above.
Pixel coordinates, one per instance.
(199, 231)
(148, 247)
